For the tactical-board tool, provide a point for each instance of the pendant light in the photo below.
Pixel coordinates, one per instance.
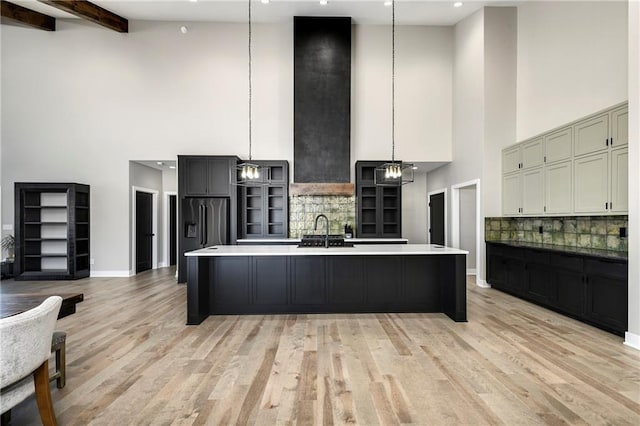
(395, 173)
(248, 172)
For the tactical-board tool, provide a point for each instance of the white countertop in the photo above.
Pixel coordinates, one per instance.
(297, 240)
(357, 250)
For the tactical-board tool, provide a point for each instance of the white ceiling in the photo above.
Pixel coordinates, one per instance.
(408, 12)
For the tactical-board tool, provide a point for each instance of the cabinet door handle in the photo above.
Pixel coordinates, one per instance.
(606, 206)
(607, 142)
(611, 141)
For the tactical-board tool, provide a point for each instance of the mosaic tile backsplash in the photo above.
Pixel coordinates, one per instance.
(599, 232)
(303, 209)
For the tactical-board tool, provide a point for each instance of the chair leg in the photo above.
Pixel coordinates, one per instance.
(43, 395)
(61, 366)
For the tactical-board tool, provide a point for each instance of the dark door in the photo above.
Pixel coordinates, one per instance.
(172, 230)
(436, 218)
(144, 232)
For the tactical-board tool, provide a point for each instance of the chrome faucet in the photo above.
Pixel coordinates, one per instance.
(326, 235)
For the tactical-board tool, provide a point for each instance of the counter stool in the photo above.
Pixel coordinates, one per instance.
(58, 343)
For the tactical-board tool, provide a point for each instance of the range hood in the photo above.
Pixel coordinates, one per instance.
(322, 106)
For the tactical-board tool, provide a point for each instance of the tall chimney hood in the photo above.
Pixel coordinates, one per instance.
(322, 106)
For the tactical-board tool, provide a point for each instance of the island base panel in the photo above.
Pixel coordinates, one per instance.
(236, 285)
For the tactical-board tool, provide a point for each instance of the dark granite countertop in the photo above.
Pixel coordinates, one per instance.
(607, 254)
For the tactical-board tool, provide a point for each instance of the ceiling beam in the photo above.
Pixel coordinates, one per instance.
(91, 12)
(22, 15)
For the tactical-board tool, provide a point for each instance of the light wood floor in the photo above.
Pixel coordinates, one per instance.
(131, 360)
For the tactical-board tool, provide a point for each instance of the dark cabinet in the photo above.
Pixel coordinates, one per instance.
(264, 207)
(607, 293)
(379, 208)
(207, 181)
(231, 282)
(415, 281)
(270, 278)
(346, 280)
(505, 270)
(308, 279)
(205, 176)
(585, 287)
(382, 279)
(52, 231)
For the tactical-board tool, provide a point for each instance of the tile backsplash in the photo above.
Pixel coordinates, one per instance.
(303, 209)
(599, 232)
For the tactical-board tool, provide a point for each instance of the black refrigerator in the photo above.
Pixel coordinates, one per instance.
(205, 222)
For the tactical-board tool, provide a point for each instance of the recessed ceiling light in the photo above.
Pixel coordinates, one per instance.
(457, 4)
(388, 3)
(159, 163)
(172, 167)
(415, 167)
(193, 1)
(184, 29)
(264, 1)
(323, 2)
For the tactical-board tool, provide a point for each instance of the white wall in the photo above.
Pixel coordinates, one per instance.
(500, 65)
(414, 210)
(572, 61)
(423, 93)
(468, 224)
(468, 115)
(633, 335)
(100, 99)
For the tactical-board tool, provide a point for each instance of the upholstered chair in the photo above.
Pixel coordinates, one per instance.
(24, 357)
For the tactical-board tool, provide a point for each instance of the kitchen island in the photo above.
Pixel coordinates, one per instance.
(279, 279)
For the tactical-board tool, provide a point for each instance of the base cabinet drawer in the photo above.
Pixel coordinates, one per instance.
(570, 291)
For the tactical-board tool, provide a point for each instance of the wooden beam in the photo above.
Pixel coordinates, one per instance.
(91, 12)
(22, 15)
(344, 189)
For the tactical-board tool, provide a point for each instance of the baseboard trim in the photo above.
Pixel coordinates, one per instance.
(482, 283)
(632, 340)
(162, 265)
(471, 272)
(110, 274)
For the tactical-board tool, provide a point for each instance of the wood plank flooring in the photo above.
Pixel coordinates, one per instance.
(131, 360)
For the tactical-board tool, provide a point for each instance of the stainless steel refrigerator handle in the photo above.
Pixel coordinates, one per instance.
(206, 226)
(201, 220)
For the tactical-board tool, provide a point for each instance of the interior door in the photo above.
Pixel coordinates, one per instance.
(144, 231)
(436, 218)
(172, 230)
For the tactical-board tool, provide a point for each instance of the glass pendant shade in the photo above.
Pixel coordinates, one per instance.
(395, 173)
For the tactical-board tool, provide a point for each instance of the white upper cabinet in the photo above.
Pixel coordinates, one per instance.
(532, 153)
(558, 181)
(559, 145)
(511, 159)
(581, 168)
(619, 127)
(591, 183)
(619, 180)
(511, 194)
(592, 135)
(533, 191)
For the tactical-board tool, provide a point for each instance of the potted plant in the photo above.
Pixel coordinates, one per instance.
(8, 244)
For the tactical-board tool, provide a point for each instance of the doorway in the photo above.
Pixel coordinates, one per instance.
(144, 231)
(437, 217)
(171, 247)
(467, 227)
